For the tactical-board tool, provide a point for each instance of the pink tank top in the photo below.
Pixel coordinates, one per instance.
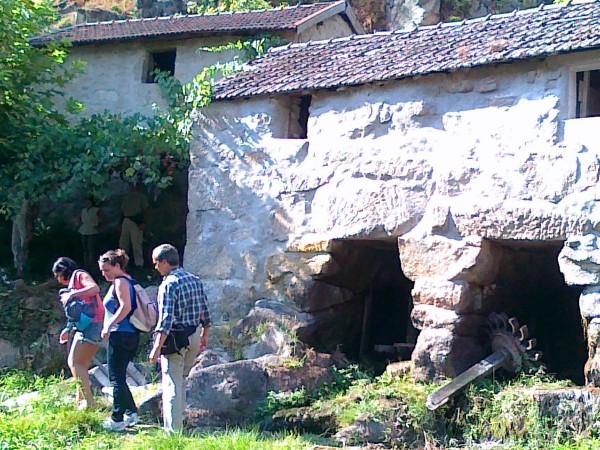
(95, 300)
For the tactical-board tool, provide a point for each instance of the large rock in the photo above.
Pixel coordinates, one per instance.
(229, 394)
(471, 259)
(579, 259)
(589, 302)
(458, 296)
(439, 353)
(10, 355)
(429, 317)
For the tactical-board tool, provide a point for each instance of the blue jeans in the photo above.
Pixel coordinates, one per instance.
(122, 348)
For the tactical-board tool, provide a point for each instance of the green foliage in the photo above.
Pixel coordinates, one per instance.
(44, 155)
(28, 80)
(343, 380)
(508, 412)
(277, 401)
(490, 412)
(182, 100)
(250, 48)
(216, 6)
(17, 382)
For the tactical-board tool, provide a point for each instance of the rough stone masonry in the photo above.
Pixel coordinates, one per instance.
(449, 166)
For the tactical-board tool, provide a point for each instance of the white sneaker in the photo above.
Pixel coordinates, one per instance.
(131, 419)
(111, 425)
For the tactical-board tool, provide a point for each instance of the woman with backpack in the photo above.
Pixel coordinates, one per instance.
(86, 339)
(123, 337)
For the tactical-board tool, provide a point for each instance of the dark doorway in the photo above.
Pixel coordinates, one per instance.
(382, 330)
(531, 288)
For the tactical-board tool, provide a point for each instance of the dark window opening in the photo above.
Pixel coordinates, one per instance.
(162, 61)
(588, 94)
(298, 118)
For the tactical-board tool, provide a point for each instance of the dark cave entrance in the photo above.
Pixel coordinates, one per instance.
(373, 326)
(377, 326)
(530, 287)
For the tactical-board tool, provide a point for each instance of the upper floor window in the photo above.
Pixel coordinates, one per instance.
(588, 93)
(163, 61)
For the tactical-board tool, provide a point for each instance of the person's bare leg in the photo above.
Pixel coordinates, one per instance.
(80, 360)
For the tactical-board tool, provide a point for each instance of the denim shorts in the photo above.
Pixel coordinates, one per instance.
(91, 334)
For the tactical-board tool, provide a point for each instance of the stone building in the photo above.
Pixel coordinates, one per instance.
(396, 188)
(121, 55)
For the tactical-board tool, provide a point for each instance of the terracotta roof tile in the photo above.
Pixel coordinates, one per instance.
(280, 19)
(379, 57)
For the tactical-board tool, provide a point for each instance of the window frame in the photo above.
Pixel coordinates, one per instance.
(150, 64)
(572, 89)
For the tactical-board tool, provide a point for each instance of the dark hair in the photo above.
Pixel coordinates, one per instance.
(114, 257)
(91, 199)
(168, 253)
(65, 266)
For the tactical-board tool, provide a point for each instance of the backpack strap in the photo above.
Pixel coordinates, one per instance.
(74, 276)
(132, 295)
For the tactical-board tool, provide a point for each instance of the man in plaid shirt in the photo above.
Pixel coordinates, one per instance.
(181, 304)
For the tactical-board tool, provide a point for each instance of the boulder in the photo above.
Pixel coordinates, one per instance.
(229, 394)
(579, 259)
(471, 259)
(439, 353)
(459, 296)
(10, 355)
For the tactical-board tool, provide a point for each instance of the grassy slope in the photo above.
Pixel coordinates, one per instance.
(498, 415)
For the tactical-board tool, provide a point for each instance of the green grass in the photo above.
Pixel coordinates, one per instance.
(50, 421)
(502, 413)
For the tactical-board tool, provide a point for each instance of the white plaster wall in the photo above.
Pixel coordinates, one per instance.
(484, 143)
(328, 29)
(113, 75)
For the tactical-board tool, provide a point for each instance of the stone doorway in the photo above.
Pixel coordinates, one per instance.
(530, 286)
(370, 270)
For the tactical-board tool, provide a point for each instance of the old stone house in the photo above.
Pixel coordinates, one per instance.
(121, 55)
(396, 188)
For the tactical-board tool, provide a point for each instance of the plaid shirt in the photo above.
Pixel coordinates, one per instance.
(181, 301)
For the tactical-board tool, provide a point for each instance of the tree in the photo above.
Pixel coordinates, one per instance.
(28, 81)
(214, 6)
(45, 153)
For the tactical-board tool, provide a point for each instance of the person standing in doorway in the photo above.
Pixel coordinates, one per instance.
(91, 218)
(182, 304)
(133, 208)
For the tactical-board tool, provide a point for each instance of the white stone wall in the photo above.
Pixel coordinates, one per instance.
(328, 29)
(472, 153)
(113, 74)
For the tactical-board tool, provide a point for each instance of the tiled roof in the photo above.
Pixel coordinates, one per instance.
(379, 57)
(280, 19)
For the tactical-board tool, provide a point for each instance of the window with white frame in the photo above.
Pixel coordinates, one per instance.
(587, 90)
